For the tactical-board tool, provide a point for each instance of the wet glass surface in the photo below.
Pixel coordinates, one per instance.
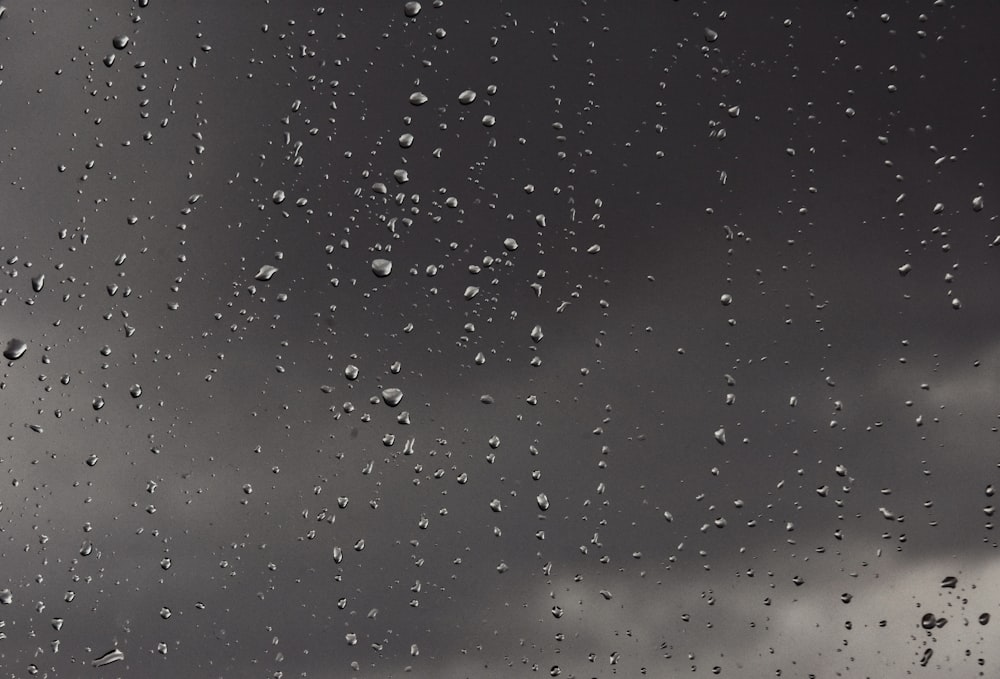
(484, 339)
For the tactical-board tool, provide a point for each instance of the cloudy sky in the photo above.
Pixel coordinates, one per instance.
(688, 360)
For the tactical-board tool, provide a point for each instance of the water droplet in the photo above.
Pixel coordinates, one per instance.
(266, 272)
(977, 203)
(351, 372)
(984, 618)
(111, 656)
(418, 98)
(928, 621)
(905, 269)
(467, 97)
(278, 197)
(710, 35)
(543, 501)
(381, 267)
(411, 9)
(6, 597)
(15, 349)
(38, 282)
(406, 140)
(726, 299)
(950, 582)
(510, 244)
(536, 333)
(120, 42)
(392, 396)
(720, 435)
(471, 292)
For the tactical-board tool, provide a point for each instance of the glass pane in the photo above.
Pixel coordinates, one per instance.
(467, 339)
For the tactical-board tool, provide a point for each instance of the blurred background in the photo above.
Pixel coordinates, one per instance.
(452, 339)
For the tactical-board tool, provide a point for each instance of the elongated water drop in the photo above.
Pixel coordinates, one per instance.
(111, 656)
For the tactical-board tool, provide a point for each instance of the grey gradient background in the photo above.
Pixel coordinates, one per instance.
(611, 111)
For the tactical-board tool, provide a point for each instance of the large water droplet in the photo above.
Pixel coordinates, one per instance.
(392, 396)
(381, 267)
(15, 349)
(111, 656)
(266, 272)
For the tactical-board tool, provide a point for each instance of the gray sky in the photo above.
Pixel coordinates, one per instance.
(704, 208)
